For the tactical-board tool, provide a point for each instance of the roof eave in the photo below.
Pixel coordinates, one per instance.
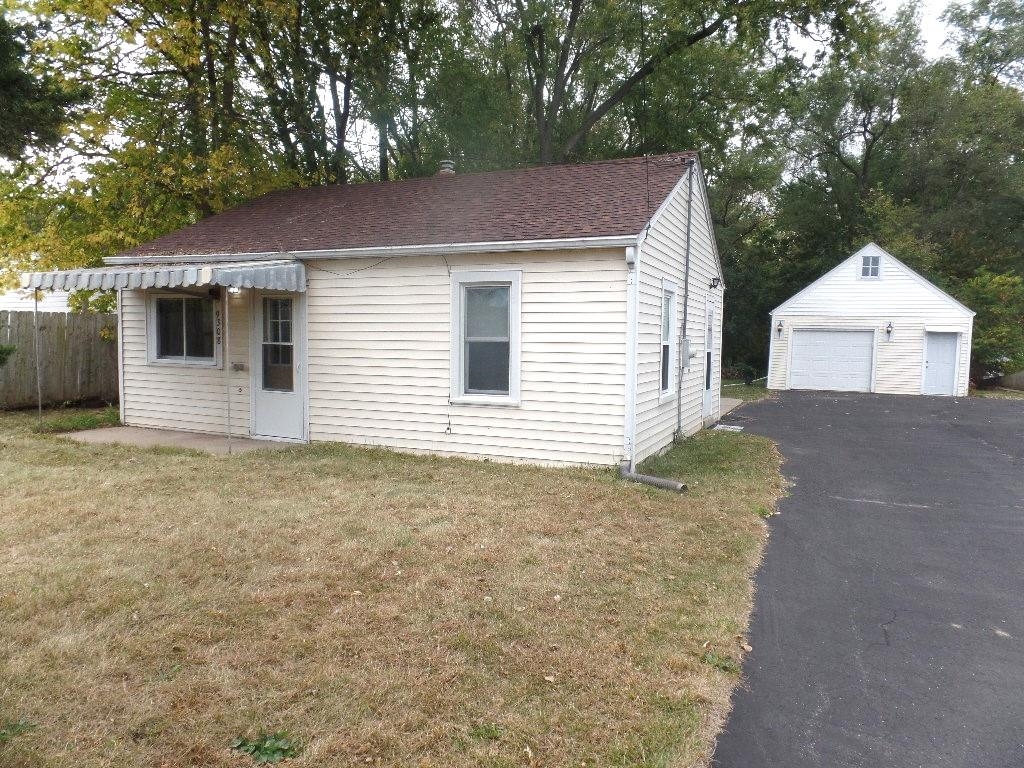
(499, 246)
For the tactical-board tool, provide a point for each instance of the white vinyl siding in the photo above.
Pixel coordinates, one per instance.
(843, 299)
(662, 258)
(191, 398)
(379, 357)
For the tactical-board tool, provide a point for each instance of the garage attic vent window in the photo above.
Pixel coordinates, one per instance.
(869, 266)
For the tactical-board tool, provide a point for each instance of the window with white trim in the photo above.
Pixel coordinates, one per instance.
(485, 336)
(184, 329)
(668, 313)
(870, 265)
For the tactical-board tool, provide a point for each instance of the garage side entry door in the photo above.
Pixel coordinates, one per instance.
(832, 360)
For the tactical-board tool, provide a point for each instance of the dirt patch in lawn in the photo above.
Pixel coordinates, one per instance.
(378, 608)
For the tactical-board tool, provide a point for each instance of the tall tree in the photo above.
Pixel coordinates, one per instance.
(34, 105)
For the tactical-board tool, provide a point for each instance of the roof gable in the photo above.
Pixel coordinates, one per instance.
(602, 199)
(895, 279)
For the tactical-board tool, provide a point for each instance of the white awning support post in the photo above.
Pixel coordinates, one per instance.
(227, 360)
(35, 349)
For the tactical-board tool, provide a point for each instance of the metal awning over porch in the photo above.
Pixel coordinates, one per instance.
(278, 275)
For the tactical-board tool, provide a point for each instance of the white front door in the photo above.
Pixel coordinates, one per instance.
(940, 363)
(278, 373)
(709, 357)
(836, 360)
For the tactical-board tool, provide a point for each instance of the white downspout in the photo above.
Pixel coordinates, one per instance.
(629, 432)
(682, 347)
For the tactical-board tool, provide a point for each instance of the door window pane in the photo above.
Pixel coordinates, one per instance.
(170, 337)
(277, 367)
(278, 352)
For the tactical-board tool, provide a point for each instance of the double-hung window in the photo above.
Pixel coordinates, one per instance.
(184, 329)
(668, 314)
(870, 265)
(485, 337)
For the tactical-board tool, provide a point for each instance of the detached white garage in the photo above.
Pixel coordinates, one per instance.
(872, 324)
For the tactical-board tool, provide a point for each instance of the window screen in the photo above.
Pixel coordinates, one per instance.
(185, 328)
(486, 339)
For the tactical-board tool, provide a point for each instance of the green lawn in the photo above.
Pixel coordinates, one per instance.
(369, 607)
(1000, 393)
(736, 389)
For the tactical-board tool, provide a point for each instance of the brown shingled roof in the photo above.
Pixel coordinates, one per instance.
(608, 198)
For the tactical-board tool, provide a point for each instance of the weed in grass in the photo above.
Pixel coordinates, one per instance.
(268, 747)
(485, 732)
(724, 663)
(77, 419)
(12, 728)
(764, 513)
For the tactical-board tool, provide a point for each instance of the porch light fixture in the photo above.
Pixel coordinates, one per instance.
(888, 330)
(715, 282)
(779, 328)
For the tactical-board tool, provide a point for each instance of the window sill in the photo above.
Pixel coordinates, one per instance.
(666, 397)
(171, 363)
(502, 402)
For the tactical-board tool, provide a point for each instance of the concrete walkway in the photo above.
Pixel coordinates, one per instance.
(170, 438)
(730, 404)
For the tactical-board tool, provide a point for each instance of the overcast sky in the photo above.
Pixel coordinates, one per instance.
(933, 30)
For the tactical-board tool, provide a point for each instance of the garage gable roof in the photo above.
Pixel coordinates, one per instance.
(875, 249)
(545, 203)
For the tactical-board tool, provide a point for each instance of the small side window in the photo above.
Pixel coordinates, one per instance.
(668, 311)
(869, 266)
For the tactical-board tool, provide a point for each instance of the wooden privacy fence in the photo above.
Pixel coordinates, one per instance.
(77, 356)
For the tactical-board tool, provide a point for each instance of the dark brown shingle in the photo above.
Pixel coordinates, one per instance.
(613, 197)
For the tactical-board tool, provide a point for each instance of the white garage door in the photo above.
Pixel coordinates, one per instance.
(835, 360)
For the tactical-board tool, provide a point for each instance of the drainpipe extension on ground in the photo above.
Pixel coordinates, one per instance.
(657, 482)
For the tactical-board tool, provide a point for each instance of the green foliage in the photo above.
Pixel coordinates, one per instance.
(268, 748)
(35, 104)
(6, 350)
(11, 728)
(998, 345)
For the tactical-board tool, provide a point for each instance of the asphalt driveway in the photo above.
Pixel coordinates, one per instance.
(889, 623)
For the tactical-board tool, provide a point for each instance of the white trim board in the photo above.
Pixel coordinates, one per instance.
(426, 249)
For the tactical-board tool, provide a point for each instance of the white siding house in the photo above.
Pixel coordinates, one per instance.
(534, 315)
(24, 301)
(872, 324)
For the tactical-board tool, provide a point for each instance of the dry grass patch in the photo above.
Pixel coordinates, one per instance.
(382, 609)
